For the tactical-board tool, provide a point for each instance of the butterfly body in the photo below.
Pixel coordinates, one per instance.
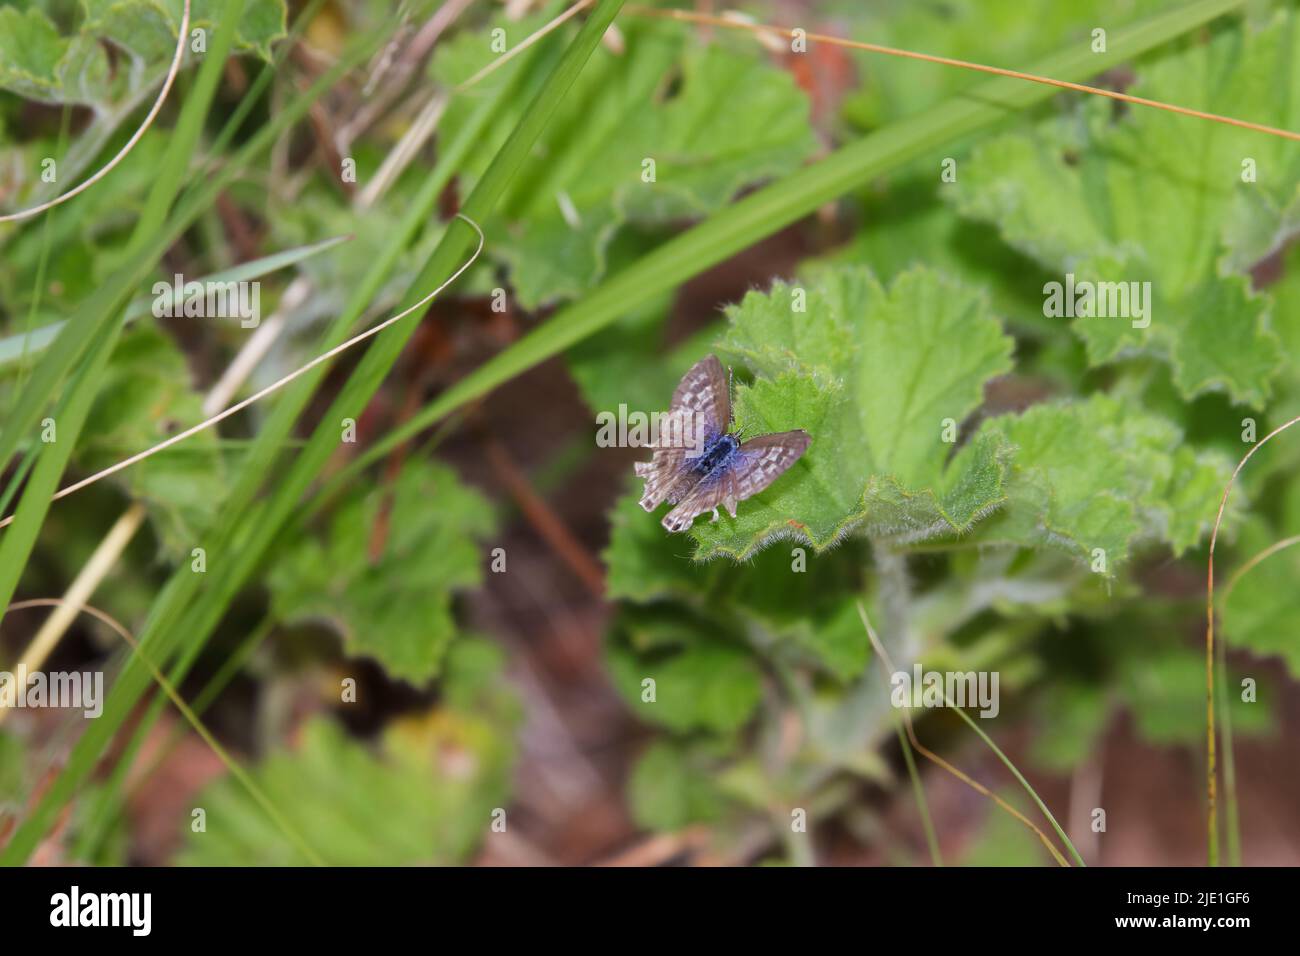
(719, 454)
(716, 468)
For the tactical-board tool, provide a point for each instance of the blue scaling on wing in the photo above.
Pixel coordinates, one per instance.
(700, 411)
(718, 470)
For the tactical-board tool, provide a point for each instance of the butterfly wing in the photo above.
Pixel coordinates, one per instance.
(700, 410)
(667, 477)
(704, 392)
(703, 496)
(764, 459)
(758, 463)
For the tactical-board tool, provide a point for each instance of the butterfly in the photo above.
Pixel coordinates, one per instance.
(712, 466)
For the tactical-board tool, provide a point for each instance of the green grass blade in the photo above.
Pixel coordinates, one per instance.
(1232, 813)
(918, 791)
(29, 832)
(239, 543)
(1033, 794)
(69, 347)
(11, 347)
(249, 100)
(274, 434)
(119, 287)
(184, 137)
(261, 530)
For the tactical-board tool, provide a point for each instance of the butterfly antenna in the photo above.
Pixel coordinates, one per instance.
(731, 392)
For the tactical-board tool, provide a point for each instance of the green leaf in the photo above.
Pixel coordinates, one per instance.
(1266, 211)
(83, 242)
(461, 55)
(1149, 196)
(147, 396)
(842, 648)
(473, 679)
(983, 32)
(1260, 613)
(1099, 475)
(876, 376)
(1004, 840)
(113, 847)
(702, 684)
(148, 27)
(910, 224)
(644, 562)
(771, 208)
(799, 597)
(397, 609)
(145, 28)
(711, 119)
(1166, 694)
(425, 796)
(1190, 499)
(806, 601)
(1072, 720)
(37, 63)
(316, 212)
(671, 787)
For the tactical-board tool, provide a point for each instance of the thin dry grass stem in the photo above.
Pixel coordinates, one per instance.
(524, 44)
(419, 133)
(274, 386)
(733, 23)
(235, 769)
(79, 592)
(110, 548)
(1255, 559)
(887, 668)
(1211, 767)
(395, 79)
